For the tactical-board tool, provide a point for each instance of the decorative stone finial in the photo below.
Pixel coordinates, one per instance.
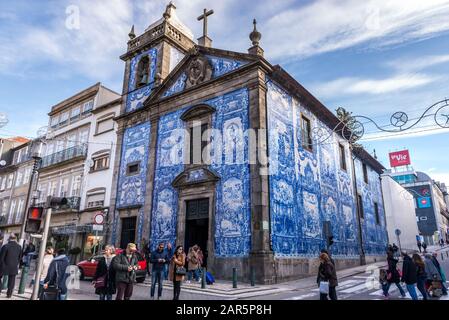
(168, 10)
(131, 34)
(255, 36)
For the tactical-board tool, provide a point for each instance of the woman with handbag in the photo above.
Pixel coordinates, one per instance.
(327, 278)
(104, 278)
(177, 271)
(393, 276)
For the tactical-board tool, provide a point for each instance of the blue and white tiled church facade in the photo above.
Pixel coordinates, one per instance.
(305, 189)
(308, 187)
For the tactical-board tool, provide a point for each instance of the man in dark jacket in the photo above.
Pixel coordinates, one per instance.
(10, 255)
(169, 251)
(125, 266)
(409, 275)
(57, 274)
(158, 260)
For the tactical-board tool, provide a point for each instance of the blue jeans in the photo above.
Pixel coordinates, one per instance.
(422, 287)
(156, 277)
(386, 288)
(411, 289)
(166, 271)
(196, 274)
(105, 296)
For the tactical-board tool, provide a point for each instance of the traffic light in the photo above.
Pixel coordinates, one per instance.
(330, 240)
(58, 202)
(33, 223)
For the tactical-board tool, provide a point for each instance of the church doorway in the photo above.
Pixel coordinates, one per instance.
(197, 225)
(128, 233)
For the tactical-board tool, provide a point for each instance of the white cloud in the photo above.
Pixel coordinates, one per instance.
(324, 26)
(353, 85)
(417, 64)
(289, 30)
(441, 177)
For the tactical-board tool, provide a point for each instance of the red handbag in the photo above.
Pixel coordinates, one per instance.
(100, 282)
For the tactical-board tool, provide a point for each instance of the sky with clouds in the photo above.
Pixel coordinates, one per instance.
(372, 57)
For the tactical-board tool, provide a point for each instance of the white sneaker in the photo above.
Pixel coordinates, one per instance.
(402, 297)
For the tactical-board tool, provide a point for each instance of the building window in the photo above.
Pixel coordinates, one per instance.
(198, 143)
(10, 180)
(104, 126)
(19, 178)
(306, 133)
(360, 207)
(76, 184)
(54, 122)
(20, 209)
(342, 157)
(100, 163)
(87, 107)
(365, 173)
(64, 187)
(376, 213)
(75, 113)
(133, 168)
(64, 119)
(95, 199)
(143, 71)
(5, 207)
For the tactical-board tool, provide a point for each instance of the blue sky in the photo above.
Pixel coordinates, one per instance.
(371, 57)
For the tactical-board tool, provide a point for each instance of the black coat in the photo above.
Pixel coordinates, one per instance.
(327, 272)
(409, 272)
(120, 265)
(102, 270)
(10, 255)
(392, 268)
(155, 256)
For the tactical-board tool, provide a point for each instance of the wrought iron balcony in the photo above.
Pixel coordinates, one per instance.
(64, 155)
(73, 204)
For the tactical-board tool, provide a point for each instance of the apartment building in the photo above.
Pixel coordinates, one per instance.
(71, 157)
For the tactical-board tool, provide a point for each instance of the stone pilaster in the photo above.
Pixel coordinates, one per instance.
(261, 255)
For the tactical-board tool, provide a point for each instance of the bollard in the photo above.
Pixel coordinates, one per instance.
(234, 278)
(5, 283)
(203, 279)
(23, 279)
(442, 257)
(253, 277)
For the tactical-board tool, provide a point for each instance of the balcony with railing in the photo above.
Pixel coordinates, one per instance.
(76, 152)
(73, 205)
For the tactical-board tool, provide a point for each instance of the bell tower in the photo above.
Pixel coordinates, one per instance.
(151, 56)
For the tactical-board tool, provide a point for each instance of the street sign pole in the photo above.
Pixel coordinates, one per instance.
(41, 252)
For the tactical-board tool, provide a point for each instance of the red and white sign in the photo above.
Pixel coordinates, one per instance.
(399, 158)
(99, 218)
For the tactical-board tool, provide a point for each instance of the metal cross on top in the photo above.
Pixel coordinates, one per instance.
(204, 18)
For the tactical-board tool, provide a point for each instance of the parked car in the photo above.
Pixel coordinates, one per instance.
(87, 267)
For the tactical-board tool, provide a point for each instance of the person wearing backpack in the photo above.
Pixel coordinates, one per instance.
(392, 276)
(177, 271)
(57, 274)
(327, 277)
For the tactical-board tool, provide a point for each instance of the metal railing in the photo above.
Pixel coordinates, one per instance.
(64, 155)
(73, 203)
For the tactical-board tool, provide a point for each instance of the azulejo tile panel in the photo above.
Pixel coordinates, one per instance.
(131, 188)
(220, 66)
(309, 187)
(232, 209)
(230, 160)
(169, 164)
(137, 97)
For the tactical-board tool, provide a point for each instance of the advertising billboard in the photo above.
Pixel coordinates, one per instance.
(399, 158)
